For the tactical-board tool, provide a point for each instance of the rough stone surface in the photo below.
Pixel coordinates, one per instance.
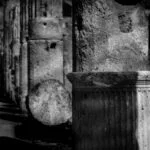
(67, 50)
(46, 61)
(46, 8)
(11, 47)
(45, 28)
(50, 103)
(125, 23)
(110, 36)
(109, 79)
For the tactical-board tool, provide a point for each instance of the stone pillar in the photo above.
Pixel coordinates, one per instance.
(89, 32)
(45, 41)
(5, 47)
(1, 51)
(46, 63)
(12, 46)
(16, 49)
(111, 110)
(24, 18)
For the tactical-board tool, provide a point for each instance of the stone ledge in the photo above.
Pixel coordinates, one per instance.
(110, 79)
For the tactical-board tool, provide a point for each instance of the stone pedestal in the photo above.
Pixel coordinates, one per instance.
(111, 110)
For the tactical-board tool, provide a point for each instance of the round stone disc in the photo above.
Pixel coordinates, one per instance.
(50, 103)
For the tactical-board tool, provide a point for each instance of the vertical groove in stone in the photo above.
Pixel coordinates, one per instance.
(144, 119)
(23, 60)
(132, 119)
(6, 46)
(148, 115)
(135, 116)
(105, 118)
(139, 125)
(11, 45)
(35, 8)
(121, 119)
(116, 118)
(128, 130)
(24, 20)
(111, 119)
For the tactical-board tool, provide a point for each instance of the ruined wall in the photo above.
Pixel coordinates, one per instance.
(110, 36)
(37, 40)
(12, 47)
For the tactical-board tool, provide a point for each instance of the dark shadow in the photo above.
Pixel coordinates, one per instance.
(128, 2)
(104, 117)
(67, 8)
(20, 130)
(149, 39)
(18, 144)
(34, 131)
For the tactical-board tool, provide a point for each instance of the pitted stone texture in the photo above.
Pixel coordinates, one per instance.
(45, 28)
(46, 61)
(50, 103)
(90, 31)
(125, 23)
(110, 36)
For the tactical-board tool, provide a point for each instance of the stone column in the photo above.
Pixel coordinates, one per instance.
(12, 47)
(24, 18)
(5, 47)
(46, 63)
(45, 41)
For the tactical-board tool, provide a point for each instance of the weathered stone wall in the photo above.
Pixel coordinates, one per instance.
(110, 36)
(12, 47)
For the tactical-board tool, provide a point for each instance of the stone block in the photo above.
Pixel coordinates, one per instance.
(45, 60)
(111, 110)
(45, 28)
